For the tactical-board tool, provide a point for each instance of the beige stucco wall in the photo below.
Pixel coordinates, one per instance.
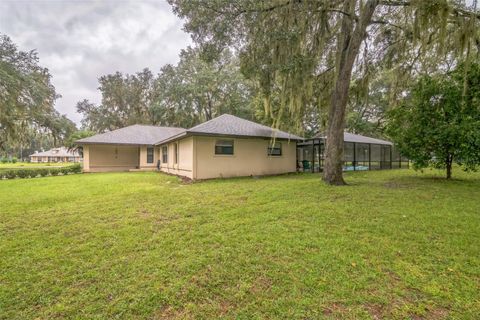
(196, 158)
(103, 158)
(184, 167)
(86, 158)
(143, 158)
(249, 158)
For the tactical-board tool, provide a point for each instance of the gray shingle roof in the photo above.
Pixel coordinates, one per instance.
(56, 152)
(228, 125)
(351, 137)
(136, 134)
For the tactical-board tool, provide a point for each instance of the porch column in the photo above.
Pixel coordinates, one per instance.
(86, 158)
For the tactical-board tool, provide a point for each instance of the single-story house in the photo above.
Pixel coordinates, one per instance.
(226, 146)
(60, 154)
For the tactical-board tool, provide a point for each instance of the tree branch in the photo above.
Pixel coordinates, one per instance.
(386, 23)
(456, 9)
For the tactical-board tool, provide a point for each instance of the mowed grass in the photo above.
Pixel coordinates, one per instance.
(392, 244)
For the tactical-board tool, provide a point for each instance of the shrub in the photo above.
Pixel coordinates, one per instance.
(22, 173)
(42, 172)
(9, 174)
(76, 168)
(14, 160)
(4, 160)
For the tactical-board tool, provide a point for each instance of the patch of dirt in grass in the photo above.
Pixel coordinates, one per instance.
(434, 313)
(438, 313)
(169, 313)
(405, 304)
(224, 307)
(376, 311)
(186, 180)
(336, 309)
(201, 278)
(261, 284)
(392, 276)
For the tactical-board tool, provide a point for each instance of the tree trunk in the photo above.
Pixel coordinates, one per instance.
(449, 166)
(349, 47)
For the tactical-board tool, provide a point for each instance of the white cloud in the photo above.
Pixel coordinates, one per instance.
(80, 41)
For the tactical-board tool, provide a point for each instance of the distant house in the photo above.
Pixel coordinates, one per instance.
(61, 154)
(226, 146)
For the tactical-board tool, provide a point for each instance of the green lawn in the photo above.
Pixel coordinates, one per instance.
(392, 244)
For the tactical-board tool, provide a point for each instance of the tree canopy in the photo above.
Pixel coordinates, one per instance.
(438, 124)
(126, 100)
(191, 92)
(27, 99)
(77, 135)
(197, 90)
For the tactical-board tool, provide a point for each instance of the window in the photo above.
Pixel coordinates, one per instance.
(176, 153)
(224, 147)
(149, 155)
(275, 149)
(164, 154)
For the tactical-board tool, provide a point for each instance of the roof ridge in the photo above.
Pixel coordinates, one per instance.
(259, 124)
(250, 121)
(150, 125)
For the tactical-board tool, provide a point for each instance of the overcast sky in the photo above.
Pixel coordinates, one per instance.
(78, 41)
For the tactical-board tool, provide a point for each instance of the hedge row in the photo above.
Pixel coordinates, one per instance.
(39, 172)
(8, 160)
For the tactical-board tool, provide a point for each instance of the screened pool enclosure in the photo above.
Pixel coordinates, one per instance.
(360, 153)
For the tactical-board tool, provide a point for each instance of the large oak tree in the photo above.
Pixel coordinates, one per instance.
(289, 45)
(27, 99)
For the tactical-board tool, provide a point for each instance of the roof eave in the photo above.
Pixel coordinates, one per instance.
(114, 143)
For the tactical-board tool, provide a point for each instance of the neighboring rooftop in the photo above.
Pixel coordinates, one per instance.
(351, 137)
(228, 125)
(136, 134)
(56, 152)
